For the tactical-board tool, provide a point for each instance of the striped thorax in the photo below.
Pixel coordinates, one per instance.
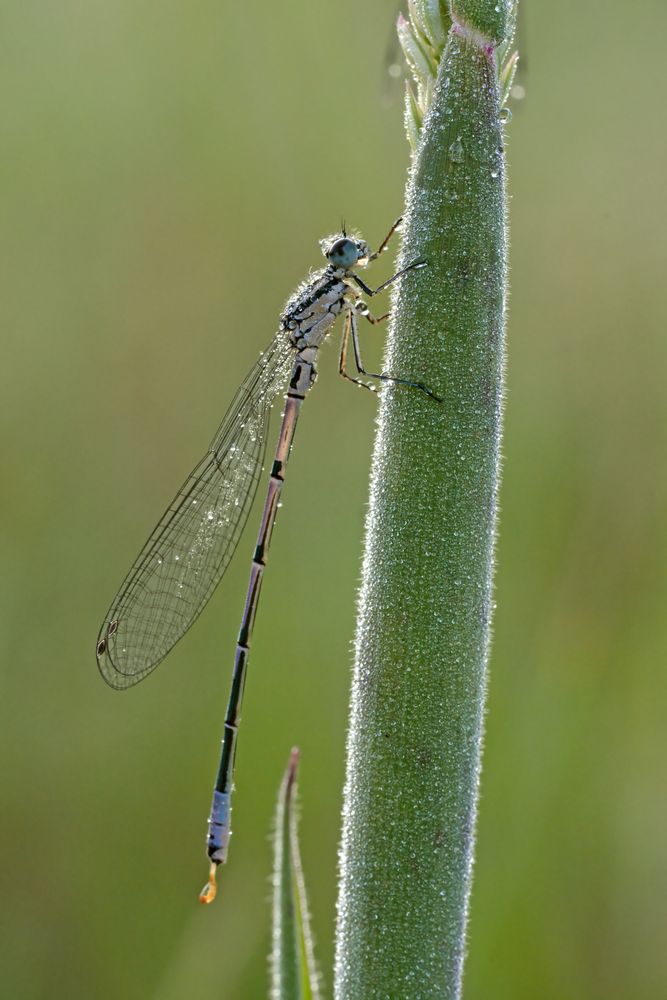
(311, 311)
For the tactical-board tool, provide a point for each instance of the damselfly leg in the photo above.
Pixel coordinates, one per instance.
(350, 330)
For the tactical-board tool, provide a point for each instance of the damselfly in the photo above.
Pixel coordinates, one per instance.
(187, 554)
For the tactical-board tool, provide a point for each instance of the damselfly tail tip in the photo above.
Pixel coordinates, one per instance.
(210, 890)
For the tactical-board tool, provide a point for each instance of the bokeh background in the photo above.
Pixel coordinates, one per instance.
(167, 169)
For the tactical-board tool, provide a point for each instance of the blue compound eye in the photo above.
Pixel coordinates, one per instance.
(343, 253)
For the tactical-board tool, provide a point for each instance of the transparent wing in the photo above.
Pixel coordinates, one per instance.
(187, 554)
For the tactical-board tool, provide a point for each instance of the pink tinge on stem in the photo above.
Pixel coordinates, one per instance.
(457, 28)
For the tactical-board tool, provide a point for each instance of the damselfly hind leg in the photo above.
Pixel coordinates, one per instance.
(351, 328)
(361, 309)
(343, 357)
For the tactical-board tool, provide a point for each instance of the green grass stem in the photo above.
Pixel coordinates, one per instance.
(425, 605)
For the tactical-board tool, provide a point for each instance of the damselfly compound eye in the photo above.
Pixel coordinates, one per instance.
(343, 253)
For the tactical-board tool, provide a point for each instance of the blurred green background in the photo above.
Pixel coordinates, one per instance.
(167, 169)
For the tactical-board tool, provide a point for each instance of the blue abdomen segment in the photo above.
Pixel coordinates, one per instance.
(219, 827)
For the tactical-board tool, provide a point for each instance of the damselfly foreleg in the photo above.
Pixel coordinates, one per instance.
(385, 242)
(385, 284)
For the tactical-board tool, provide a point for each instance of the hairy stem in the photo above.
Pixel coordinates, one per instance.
(423, 629)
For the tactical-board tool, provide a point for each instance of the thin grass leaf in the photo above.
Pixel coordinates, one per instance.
(507, 75)
(433, 20)
(294, 975)
(413, 116)
(416, 55)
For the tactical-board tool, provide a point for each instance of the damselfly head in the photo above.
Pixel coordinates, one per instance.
(345, 251)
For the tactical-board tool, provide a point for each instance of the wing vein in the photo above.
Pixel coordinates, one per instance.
(193, 543)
